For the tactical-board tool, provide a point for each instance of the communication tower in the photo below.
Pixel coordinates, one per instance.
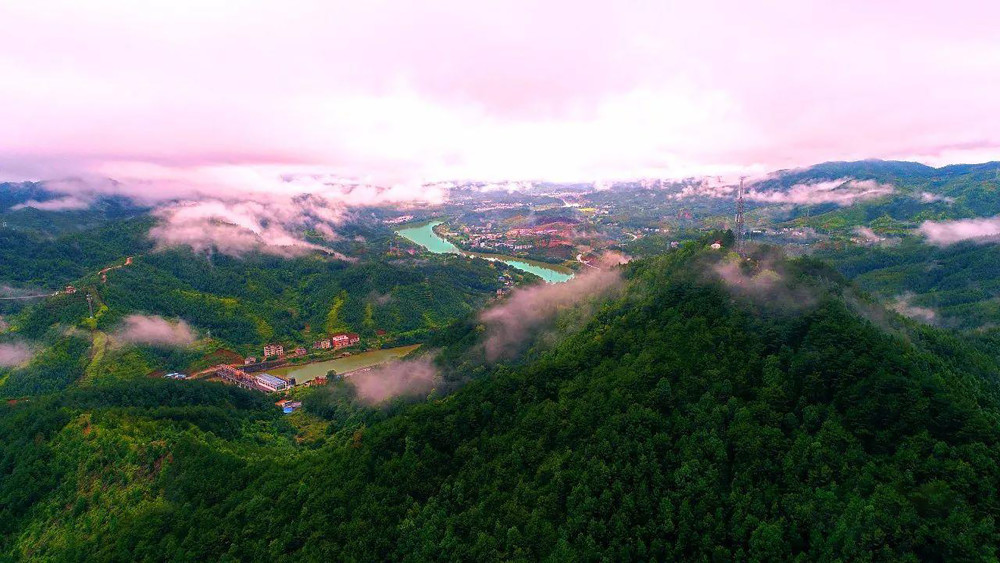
(740, 223)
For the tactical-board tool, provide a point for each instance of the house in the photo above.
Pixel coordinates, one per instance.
(717, 245)
(300, 351)
(344, 339)
(291, 406)
(270, 382)
(249, 360)
(273, 350)
(175, 375)
(324, 344)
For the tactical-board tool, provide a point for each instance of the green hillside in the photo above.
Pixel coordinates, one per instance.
(686, 419)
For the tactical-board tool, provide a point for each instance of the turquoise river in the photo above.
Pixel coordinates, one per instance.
(425, 236)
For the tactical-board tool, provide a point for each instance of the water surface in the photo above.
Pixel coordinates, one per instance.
(307, 372)
(425, 236)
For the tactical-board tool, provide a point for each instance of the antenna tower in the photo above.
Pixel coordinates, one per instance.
(740, 223)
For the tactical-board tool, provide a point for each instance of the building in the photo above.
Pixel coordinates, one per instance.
(300, 351)
(290, 407)
(175, 375)
(324, 344)
(249, 360)
(273, 350)
(271, 382)
(344, 339)
(716, 245)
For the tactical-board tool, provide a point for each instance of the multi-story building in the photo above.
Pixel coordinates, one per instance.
(273, 350)
(344, 339)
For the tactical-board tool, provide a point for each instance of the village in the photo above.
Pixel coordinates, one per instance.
(253, 374)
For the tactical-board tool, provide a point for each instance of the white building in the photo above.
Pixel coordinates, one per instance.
(271, 382)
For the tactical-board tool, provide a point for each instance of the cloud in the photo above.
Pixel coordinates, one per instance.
(903, 306)
(233, 228)
(943, 233)
(64, 203)
(761, 281)
(843, 192)
(154, 331)
(397, 379)
(510, 322)
(451, 89)
(927, 197)
(264, 209)
(14, 354)
(764, 282)
(868, 234)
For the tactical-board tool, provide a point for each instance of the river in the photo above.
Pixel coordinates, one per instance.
(425, 236)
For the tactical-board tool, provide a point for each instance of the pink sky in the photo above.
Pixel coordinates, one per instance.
(402, 91)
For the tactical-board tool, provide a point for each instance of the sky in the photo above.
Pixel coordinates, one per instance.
(217, 95)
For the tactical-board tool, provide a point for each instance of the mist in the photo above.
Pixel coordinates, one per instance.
(154, 331)
(14, 354)
(944, 233)
(404, 378)
(511, 322)
(903, 306)
(764, 283)
(842, 192)
(64, 203)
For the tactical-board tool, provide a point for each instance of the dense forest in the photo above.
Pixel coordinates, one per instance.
(774, 412)
(955, 286)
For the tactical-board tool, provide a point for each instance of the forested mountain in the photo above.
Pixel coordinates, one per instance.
(916, 193)
(956, 286)
(709, 410)
(237, 303)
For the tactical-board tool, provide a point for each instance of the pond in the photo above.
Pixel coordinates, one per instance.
(308, 372)
(425, 236)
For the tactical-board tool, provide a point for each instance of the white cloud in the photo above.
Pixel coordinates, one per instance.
(843, 192)
(64, 203)
(154, 331)
(943, 233)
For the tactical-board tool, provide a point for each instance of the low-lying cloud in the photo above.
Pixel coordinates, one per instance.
(509, 323)
(13, 354)
(236, 228)
(63, 203)
(927, 197)
(764, 283)
(903, 306)
(943, 233)
(843, 192)
(154, 331)
(238, 209)
(405, 378)
(867, 234)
